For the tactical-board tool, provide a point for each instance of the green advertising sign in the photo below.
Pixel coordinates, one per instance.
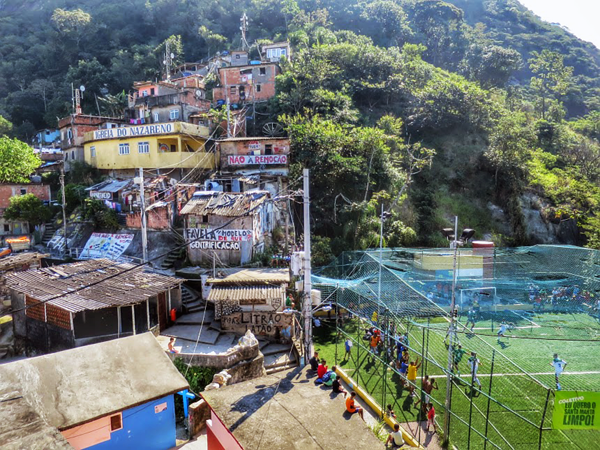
(574, 410)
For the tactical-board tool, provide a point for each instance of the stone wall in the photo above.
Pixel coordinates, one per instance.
(219, 361)
(198, 414)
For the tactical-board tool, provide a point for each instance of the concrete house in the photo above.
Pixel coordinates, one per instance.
(10, 228)
(228, 227)
(112, 395)
(246, 83)
(58, 315)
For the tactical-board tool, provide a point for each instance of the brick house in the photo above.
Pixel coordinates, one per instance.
(7, 191)
(248, 83)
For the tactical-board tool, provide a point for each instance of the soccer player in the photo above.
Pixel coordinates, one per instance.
(471, 318)
(559, 366)
(502, 330)
(457, 354)
(474, 363)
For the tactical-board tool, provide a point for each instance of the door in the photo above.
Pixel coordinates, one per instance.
(163, 312)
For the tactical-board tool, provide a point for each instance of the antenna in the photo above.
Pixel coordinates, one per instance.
(168, 59)
(244, 28)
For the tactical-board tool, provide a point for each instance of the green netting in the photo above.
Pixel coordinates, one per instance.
(545, 294)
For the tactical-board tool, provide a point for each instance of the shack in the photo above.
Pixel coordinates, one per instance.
(227, 227)
(113, 395)
(89, 301)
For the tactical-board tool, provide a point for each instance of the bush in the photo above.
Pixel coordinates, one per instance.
(103, 218)
(27, 208)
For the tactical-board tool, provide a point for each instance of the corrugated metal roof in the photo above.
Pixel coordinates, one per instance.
(240, 293)
(127, 288)
(20, 259)
(251, 276)
(229, 204)
(109, 186)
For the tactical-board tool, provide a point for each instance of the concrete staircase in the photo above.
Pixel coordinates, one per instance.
(191, 300)
(48, 233)
(175, 255)
(279, 357)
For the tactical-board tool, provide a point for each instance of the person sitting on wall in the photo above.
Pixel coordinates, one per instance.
(395, 438)
(314, 362)
(352, 408)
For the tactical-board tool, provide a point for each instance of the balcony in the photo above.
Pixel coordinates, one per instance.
(161, 100)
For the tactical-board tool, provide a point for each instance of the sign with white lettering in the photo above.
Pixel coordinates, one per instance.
(215, 245)
(106, 245)
(140, 130)
(101, 195)
(208, 234)
(254, 145)
(241, 160)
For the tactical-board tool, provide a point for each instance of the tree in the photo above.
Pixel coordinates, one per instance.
(5, 126)
(214, 41)
(27, 208)
(17, 161)
(71, 23)
(552, 76)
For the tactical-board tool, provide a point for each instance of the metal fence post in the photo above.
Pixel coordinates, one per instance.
(337, 330)
(543, 418)
(487, 414)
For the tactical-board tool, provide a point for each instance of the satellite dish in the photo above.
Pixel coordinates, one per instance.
(82, 88)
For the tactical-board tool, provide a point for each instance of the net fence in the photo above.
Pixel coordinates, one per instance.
(543, 296)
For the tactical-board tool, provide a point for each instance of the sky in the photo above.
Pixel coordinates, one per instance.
(579, 16)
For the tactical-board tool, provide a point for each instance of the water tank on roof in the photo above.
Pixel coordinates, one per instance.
(212, 186)
(254, 63)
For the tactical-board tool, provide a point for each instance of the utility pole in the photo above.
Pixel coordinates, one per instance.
(307, 304)
(143, 217)
(244, 29)
(452, 334)
(64, 204)
(228, 117)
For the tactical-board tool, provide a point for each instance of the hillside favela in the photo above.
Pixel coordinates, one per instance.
(299, 224)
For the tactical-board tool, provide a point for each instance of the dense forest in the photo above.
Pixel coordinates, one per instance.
(429, 108)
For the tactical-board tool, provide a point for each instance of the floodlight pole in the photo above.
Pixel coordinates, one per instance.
(380, 262)
(451, 334)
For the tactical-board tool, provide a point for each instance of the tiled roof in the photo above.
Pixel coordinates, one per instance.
(124, 288)
(220, 293)
(226, 204)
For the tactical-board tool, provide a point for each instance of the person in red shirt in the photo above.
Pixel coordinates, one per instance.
(322, 369)
(431, 417)
(352, 408)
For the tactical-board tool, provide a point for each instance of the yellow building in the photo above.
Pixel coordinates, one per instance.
(172, 145)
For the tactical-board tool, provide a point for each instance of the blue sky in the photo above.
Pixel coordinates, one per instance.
(579, 16)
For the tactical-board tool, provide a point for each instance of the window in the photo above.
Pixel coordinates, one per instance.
(262, 71)
(6, 228)
(258, 88)
(143, 147)
(173, 148)
(237, 56)
(66, 156)
(174, 114)
(156, 118)
(152, 91)
(232, 90)
(23, 191)
(123, 149)
(204, 219)
(69, 133)
(116, 422)
(93, 151)
(268, 149)
(72, 154)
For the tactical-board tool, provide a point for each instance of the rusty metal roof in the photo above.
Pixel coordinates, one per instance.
(20, 259)
(220, 293)
(250, 276)
(123, 289)
(228, 204)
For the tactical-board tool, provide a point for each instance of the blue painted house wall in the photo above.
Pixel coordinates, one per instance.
(143, 428)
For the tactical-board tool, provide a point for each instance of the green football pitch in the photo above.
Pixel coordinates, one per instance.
(516, 397)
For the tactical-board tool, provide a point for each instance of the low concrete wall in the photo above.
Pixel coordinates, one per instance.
(247, 370)
(198, 414)
(221, 360)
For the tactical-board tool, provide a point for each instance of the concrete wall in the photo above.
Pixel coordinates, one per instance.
(276, 325)
(248, 147)
(219, 361)
(199, 413)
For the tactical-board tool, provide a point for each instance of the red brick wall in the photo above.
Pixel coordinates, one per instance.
(158, 219)
(41, 191)
(35, 312)
(232, 76)
(58, 316)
